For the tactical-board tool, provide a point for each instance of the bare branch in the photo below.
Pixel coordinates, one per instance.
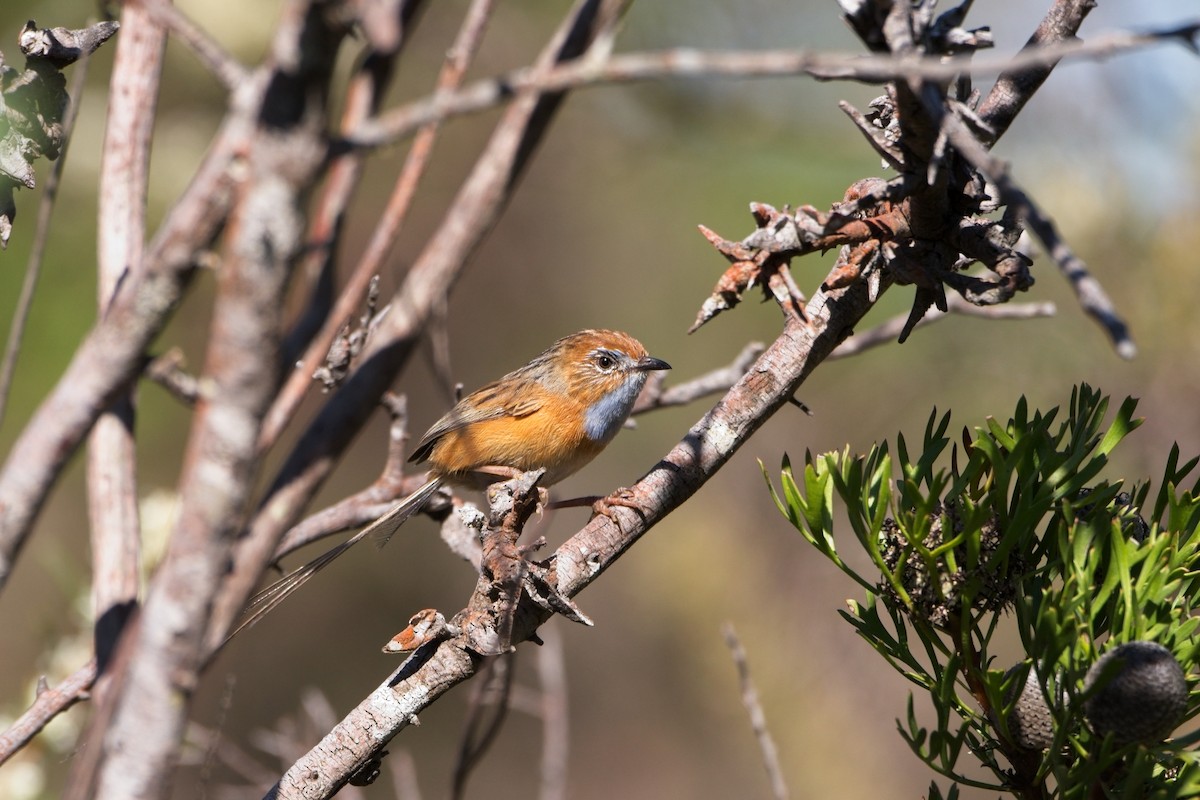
(371, 503)
(404, 776)
(1091, 295)
(389, 30)
(224, 67)
(112, 454)
(1018, 83)
(874, 136)
(688, 63)
(556, 728)
(888, 332)
(758, 719)
(219, 748)
(487, 709)
(48, 705)
(354, 511)
(167, 371)
(718, 380)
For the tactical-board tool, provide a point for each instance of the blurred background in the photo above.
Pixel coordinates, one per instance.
(602, 233)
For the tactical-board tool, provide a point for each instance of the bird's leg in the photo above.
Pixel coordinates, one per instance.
(576, 502)
(603, 504)
(622, 497)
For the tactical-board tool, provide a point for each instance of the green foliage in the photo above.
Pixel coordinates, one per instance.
(1026, 533)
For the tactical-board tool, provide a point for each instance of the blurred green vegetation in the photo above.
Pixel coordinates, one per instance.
(603, 233)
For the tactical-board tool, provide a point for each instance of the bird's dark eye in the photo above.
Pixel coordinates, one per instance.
(605, 361)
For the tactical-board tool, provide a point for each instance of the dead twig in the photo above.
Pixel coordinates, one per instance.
(400, 122)
(487, 708)
(167, 371)
(48, 704)
(556, 728)
(758, 719)
(114, 523)
(223, 66)
(1088, 291)
(654, 395)
(313, 336)
(887, 332)
(1020, 81)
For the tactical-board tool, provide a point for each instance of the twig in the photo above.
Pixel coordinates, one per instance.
(233, 757)
(210, 752)
(1091, 295)
(48, 704)
(482, 729)
(355, 511)
(167, 371)
(758, 720)
(556, 728)
(373, 502)
(887, 332)
(718, 380)
(1018, 83)
(41, 234)
(438, 337)
(689, 63)
(404, 776)
(462, 540)
(224, 67)
(874, 136)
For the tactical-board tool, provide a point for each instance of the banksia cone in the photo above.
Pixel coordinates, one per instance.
(1029, 722)
(1145, 698)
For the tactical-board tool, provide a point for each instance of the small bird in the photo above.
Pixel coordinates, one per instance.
(555, 413)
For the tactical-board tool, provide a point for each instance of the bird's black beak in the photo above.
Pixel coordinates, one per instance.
(650, 364)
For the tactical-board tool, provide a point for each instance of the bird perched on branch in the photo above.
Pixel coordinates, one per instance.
(555, 413)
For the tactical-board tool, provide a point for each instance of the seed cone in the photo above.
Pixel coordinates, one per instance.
(1029, 721)
(1145, 698)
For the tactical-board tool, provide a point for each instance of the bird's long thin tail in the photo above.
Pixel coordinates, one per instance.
(266, 601)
